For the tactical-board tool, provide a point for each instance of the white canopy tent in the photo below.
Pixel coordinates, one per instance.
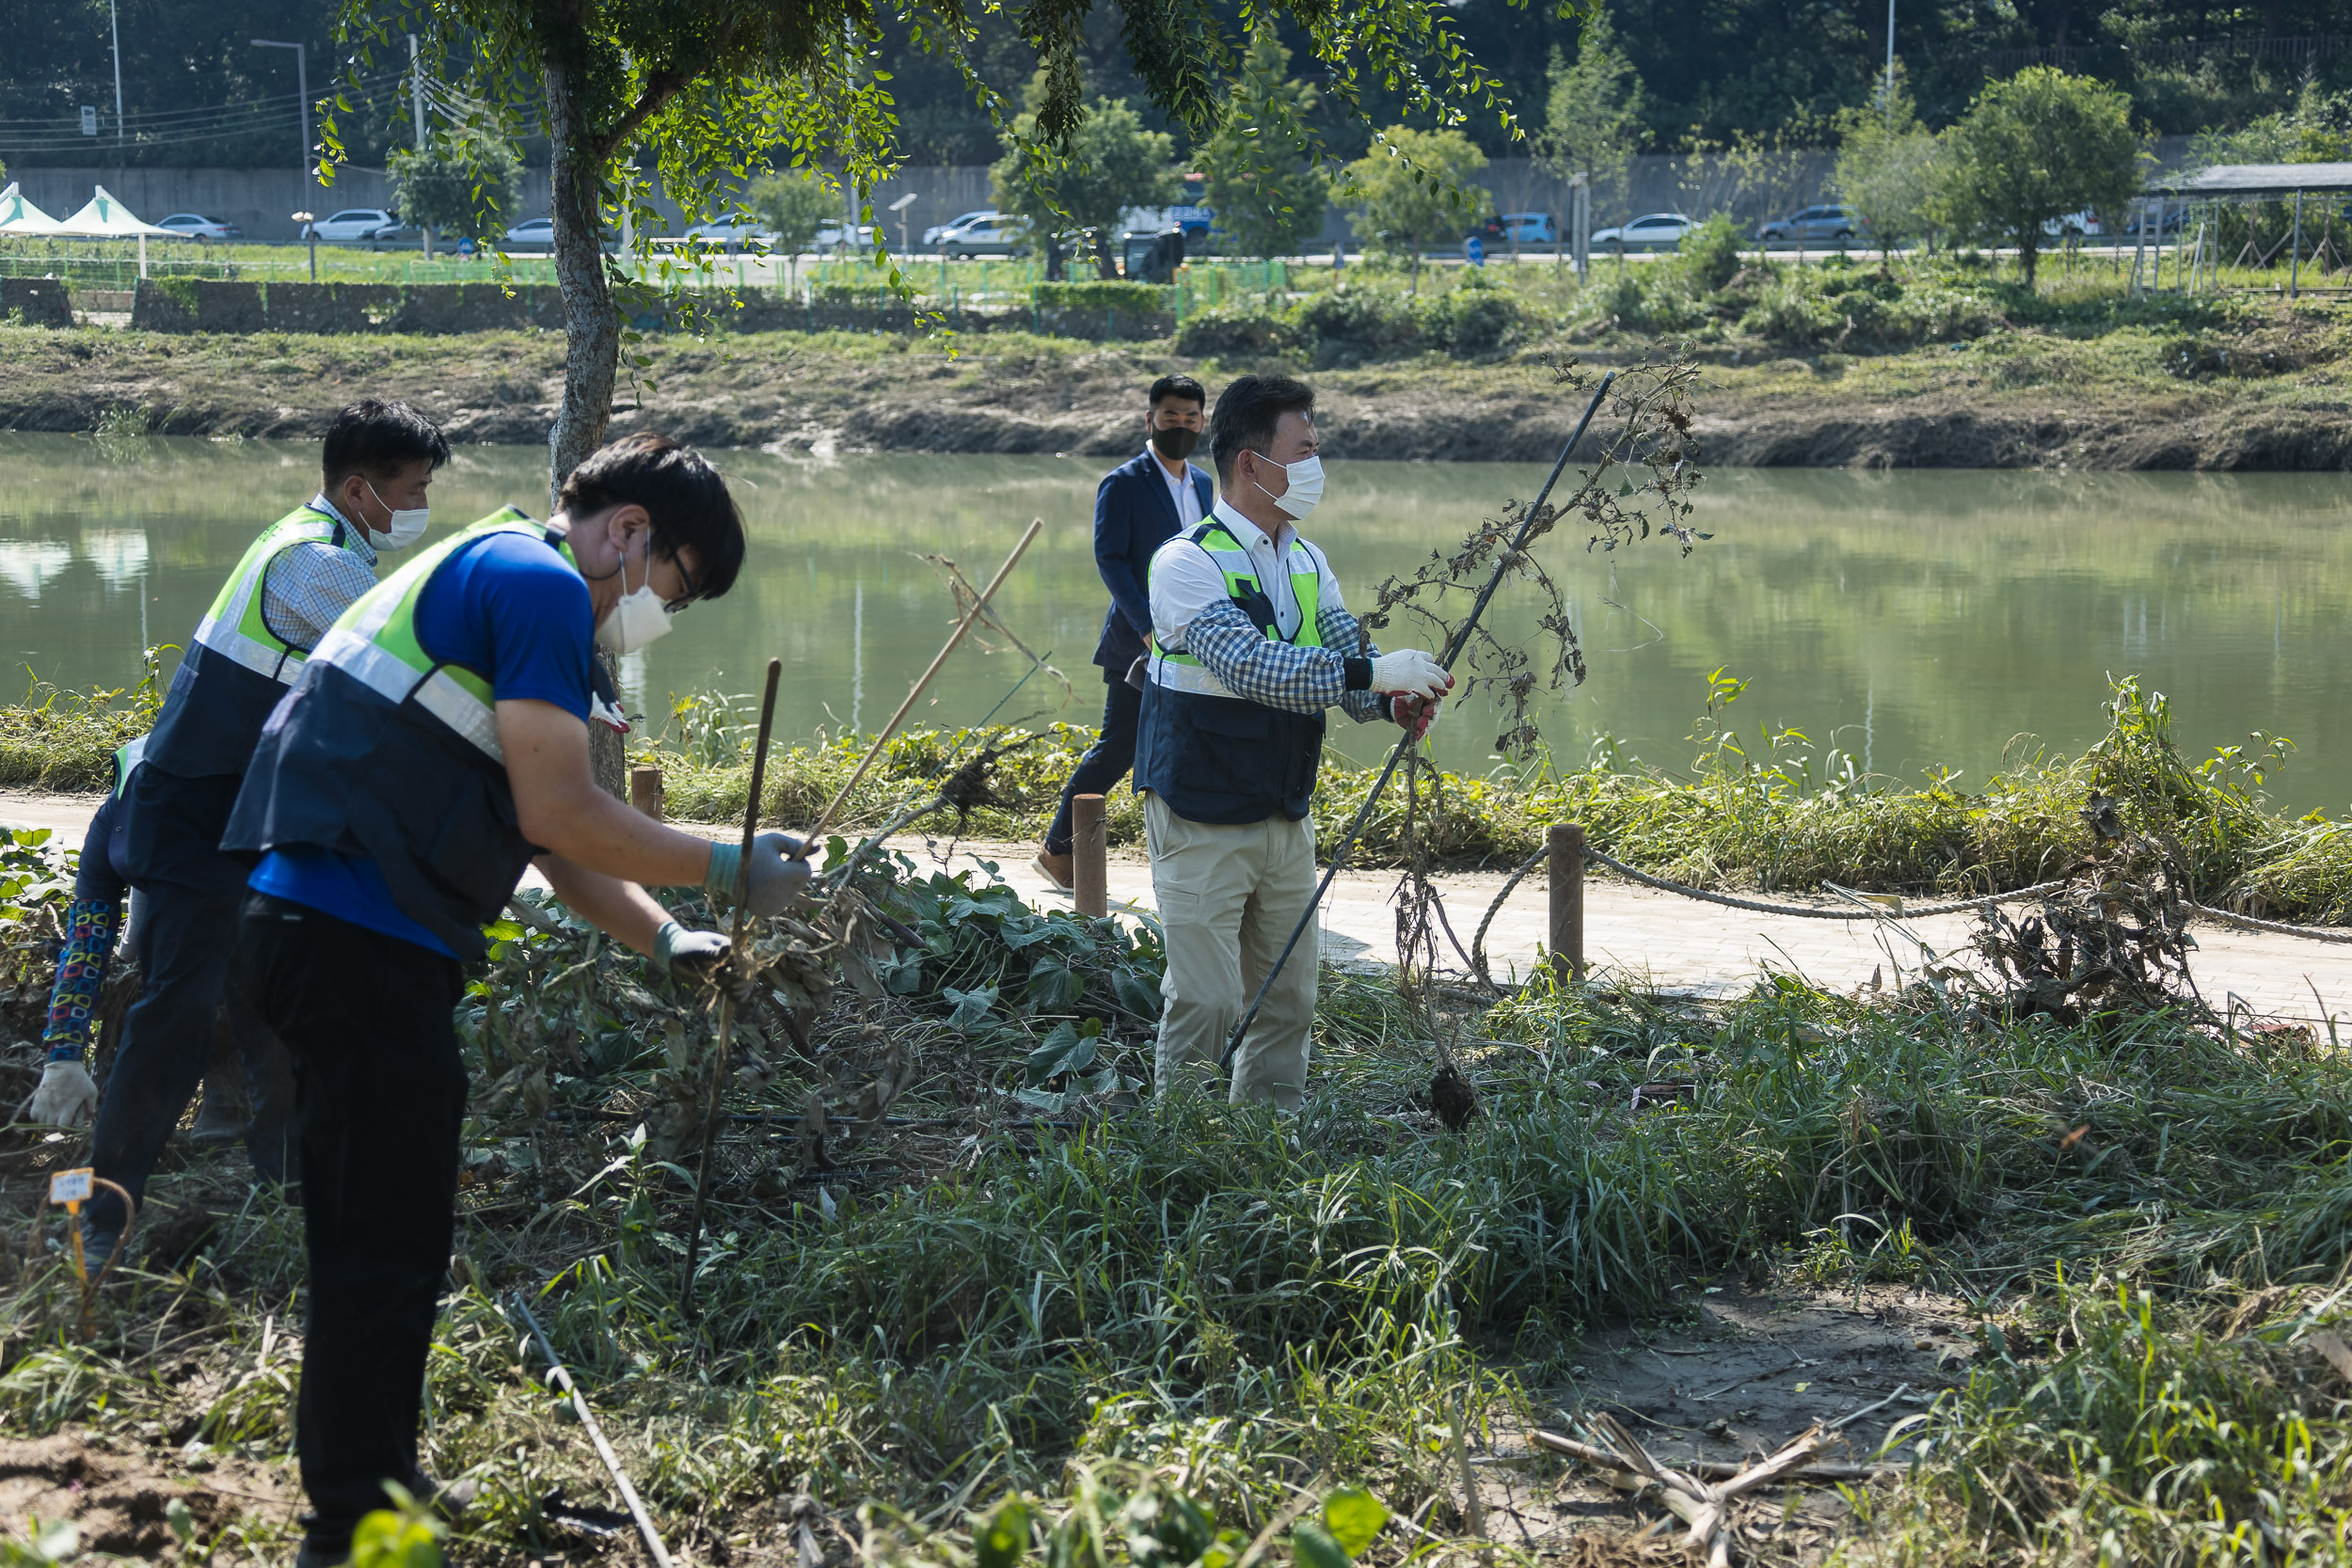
(105, 217)
(20, 216)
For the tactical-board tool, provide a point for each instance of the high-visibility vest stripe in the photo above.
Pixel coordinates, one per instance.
(235, 627)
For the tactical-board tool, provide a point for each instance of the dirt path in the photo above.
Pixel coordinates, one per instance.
(1640, 935)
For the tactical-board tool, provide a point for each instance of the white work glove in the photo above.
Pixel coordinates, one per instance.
(697, 958)
(66, 1098)
(1411, 672)
(780, 872)
(1416, 714)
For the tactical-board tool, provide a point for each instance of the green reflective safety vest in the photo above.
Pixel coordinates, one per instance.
(236, 667)
(127, 760)
(1210, 753)
(375, 641)
(384, 753)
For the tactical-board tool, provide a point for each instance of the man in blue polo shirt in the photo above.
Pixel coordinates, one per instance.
(438, 743)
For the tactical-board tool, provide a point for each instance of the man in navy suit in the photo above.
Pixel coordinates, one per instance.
(1141, 505)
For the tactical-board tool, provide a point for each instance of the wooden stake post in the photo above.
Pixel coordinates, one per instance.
(645, 789)
(1090, 876)
(1568, 901)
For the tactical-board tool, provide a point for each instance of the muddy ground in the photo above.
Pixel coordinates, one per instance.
(793, 393)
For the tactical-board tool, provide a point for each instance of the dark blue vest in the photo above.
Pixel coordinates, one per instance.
(340, 768)
(1226, 759)
(213, 712)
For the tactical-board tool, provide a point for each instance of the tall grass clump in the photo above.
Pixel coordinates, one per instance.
(66, 741)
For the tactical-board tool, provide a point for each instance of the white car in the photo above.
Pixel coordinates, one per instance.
(352, 223)
(991, 232)
(197, 227)
(534, 231)
(838, 237)
(736, 232)
(932, 235)
(1651, 232)
(2082, 224)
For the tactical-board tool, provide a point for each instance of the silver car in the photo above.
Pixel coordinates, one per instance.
(1832, 224)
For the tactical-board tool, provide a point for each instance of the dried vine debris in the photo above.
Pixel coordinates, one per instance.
(2114, 938)
(1649, 407)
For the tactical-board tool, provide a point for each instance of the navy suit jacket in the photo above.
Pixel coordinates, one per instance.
(1133, 516)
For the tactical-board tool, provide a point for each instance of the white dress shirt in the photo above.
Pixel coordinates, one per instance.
(1180, 490)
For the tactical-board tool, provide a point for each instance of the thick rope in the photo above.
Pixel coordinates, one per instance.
(1806, 911)
(2253, 925)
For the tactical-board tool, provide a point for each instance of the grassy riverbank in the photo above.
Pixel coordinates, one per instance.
(1745, 815)
(1913, 365)
(2130, 1226)
(1745, 818)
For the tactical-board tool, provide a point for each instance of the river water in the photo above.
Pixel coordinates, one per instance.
(1912, 620)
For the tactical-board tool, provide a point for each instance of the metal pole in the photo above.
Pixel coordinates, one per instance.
(1453, 652)
(1090, 873)
(2139, 245)
(562, 1378)
(416, 109)
(736, 973)
(115, 28)
(2295, 267)
(1890, 59)
(1568, 901)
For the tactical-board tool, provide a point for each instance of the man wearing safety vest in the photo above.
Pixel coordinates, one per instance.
(435, 745)
(1253, 641)
(305, 570)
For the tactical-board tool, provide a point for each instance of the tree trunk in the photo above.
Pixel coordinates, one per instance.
(591, 341)
(592, 329)
(2027, 251)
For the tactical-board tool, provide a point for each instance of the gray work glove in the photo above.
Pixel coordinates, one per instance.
(696, 958)
(65, 1097)
(780, 872)
(1411, 672)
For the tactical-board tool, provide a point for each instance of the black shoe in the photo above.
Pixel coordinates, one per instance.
(97, 1246)
(316, 1557)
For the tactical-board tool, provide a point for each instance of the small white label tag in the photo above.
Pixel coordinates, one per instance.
(68, 1186)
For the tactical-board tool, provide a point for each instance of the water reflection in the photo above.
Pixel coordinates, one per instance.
(1910, 620)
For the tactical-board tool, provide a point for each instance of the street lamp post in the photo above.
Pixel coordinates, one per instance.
(302, 91)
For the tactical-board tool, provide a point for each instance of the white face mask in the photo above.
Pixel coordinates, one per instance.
(638, 619)
(1305, 490)
(407, 527)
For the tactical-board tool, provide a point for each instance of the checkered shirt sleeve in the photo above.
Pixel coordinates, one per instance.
(1282, 675)
(307, 587)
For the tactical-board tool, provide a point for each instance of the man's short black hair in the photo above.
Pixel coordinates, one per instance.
(1178, 386)
(378, 439)
(1247, 412)
(679, 490)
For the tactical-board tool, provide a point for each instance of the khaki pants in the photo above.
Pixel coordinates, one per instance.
(1228, 899)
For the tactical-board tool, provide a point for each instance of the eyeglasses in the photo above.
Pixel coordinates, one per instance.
(693, 588)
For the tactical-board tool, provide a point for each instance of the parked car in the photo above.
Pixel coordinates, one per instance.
(736, 233)
(532, 232)
(1651, 232)
(352, 223)
(2174, 213)
(1512, 228)
(836, 238)
(934, 234)
(197, 227)
(2082, 224)
(992, 233)
(1831, 223)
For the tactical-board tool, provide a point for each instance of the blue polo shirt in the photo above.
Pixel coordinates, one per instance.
(505, 606)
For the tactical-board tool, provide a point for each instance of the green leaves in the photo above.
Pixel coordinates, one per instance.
(968, 1009)
(1353, 1517)
(1001, 1538)
(1067, 1048)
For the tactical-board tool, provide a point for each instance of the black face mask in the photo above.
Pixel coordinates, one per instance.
(1174, 441)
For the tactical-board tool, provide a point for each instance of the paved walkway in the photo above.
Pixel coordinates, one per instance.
(1657, 937)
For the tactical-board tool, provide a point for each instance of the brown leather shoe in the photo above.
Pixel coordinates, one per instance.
(1060, 870)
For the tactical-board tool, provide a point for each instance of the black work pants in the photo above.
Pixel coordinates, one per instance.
(1106, 761)
(380, 1094)
(185, 940)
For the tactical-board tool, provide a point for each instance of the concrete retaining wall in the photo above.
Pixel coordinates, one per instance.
(36, 301)
(189, 305)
